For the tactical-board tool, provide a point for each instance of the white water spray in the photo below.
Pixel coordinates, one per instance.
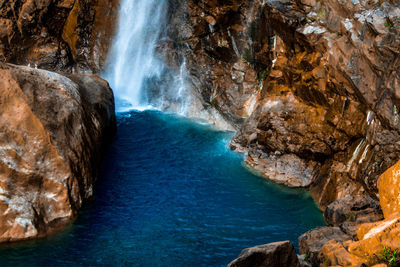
(132, 63)
(137, 72)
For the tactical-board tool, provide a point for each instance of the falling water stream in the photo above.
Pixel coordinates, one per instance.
(132, 62)
(170, 192)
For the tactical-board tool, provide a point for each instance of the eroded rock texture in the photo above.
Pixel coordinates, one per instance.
(52, 130)
(373, 238)
(312, 86)
(57, 34)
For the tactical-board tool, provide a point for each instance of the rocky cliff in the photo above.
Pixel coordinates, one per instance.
(53, 126)
(68, 35)
(52, 132)
(312, 88)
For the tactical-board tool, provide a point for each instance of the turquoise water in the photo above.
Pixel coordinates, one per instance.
(172, 194)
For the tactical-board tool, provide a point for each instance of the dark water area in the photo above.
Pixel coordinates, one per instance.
(172, 194)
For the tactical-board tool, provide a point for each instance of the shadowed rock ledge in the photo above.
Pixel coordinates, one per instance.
(52, 132)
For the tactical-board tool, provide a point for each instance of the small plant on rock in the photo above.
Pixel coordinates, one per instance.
(307, 257)
(387, 256)
(388, 25)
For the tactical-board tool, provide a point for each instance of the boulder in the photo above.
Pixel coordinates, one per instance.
(374, 237)
(53, 129)
(374, 240)
(273, 255)
(350, 212)
(311, 242)
(377, 241)
(334, 253)
(389, 190)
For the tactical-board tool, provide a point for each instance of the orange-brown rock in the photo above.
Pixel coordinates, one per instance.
(213, 38)
(350, 212)
(334, 253)
(389, 190)
(311, 85)
(374, 237)
(57, 34)
(52, 130)
(311, 242)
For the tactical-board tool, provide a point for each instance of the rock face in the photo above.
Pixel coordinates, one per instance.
(311, 242)
(57, 34)
(273, 255)
(312, 89)
(211, 36)
(389, 191)
(349, 213)
(52, 130)
(373, 238)
(311, 86)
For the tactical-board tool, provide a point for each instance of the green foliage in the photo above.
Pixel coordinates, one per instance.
(307, 257)
(262, 75)
(321, 13)
(388, 25)
(387, 256)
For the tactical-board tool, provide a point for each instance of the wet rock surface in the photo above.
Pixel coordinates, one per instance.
(310, 85)
(312, 89)
(68, 35)
(273, 254)
(52, 131)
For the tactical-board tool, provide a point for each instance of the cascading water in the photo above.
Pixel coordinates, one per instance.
(137, 72)
(132, 64)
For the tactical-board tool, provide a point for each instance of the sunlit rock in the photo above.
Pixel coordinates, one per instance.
(52, 130)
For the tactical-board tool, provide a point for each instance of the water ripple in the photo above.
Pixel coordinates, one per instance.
(172, 194)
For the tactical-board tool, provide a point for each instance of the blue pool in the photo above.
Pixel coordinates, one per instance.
(172, 194)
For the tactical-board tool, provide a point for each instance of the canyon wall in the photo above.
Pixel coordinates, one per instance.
(311, 86)
(67, 35)
(312, 89)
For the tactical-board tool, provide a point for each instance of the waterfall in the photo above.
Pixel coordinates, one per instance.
(132, 64)
(137, 71)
